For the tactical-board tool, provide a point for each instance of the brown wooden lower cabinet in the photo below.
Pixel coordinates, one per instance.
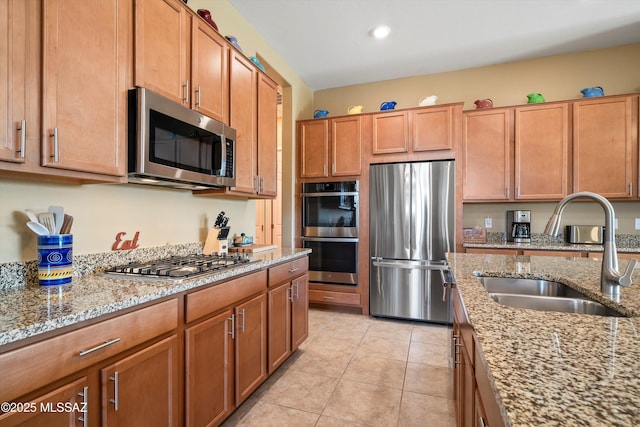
(475, 404)
(142, 389)
(209, 379)
(251, 346)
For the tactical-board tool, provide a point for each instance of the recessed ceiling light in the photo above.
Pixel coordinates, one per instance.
(380, 32)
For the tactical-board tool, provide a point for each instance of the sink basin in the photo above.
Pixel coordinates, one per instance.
(545, 295)
(508, 285)
(561, 304)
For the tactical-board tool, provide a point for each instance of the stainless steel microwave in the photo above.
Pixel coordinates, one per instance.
(171, 145)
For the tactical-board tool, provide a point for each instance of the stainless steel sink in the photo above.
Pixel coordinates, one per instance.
(543, 295)
(562, 304)
(508, 285)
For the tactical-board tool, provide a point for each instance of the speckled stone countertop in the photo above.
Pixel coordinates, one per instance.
(624, 243)
(29, 310)
(549, 368)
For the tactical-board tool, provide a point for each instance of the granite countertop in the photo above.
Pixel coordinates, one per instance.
(551, 368)
(549, 246)
(31, 310)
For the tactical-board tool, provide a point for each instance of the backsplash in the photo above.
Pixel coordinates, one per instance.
(21, 274)
(622, 240)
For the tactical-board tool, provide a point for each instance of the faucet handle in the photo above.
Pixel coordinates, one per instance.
(625, 279)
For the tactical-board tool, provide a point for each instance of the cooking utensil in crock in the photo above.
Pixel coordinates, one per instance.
(38, 228)
(58, 216)
(47, 219)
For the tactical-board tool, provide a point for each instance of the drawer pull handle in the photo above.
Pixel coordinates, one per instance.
(98, 347)
(326, 297)
(294, 269)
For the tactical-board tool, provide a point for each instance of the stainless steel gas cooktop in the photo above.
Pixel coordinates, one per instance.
(177, 268)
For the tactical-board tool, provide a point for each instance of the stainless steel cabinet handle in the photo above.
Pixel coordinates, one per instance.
(256, 186)
(291, 293)
(293, 270)
(23, 137)
(115, 400)
(233, 326)
(186, 92)
(242, 314)
(198, 97)
(326, 297)
(98, 347)
(56, 152)
(85, 400)
(297, 290)
(481, 422)
(261, 184)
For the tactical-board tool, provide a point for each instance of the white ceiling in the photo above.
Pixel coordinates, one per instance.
(327, 43)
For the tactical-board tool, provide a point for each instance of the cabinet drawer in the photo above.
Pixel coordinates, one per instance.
(216, 297)
(36, 365)
(334, 297)
(287, 271)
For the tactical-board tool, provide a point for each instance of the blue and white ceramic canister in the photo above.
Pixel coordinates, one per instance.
(55, 259)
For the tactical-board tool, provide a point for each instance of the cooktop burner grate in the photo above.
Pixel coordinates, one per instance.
(179, 267)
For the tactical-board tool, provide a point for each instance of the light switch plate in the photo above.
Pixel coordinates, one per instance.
(488, 222)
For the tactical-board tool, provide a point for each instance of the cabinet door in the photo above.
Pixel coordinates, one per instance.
(346, 146)
(210, 65)
(603, 139)
(85, 82)
(542, 151)
(142, 389)
(432, 129)
(279, 324)
(209, 371)
(390, 133)
(300, 310)
(314, 148)
(162, 48)
(486, 155)
(13, 70)
(251, 346)
(66, 406)
(243, 113)
(267, 135)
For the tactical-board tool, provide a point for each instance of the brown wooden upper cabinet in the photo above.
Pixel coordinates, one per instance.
(420, 129)
(171, 43)
(54, 125)
(605, 139)
(542, 133)
(345, 140)
(486, 154)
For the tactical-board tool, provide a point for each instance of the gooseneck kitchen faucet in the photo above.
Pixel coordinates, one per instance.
(610, 278)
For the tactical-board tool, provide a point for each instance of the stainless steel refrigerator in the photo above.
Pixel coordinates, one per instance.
(412, 217)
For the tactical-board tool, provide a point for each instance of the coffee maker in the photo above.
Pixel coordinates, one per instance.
(519, 226)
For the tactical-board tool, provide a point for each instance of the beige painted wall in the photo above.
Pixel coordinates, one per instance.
(161, 215)
(557, 78)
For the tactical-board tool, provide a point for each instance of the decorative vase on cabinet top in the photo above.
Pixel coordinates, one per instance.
(483, 103)
(319, 114)
(428, 100)
(355, 109)
(535, 98)
(389, 105)
(592, 92)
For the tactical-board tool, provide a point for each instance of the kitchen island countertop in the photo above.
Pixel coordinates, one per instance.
(549, 368)
(32, 310)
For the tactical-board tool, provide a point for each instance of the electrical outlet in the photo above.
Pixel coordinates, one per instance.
(488, 222)
(637, 223)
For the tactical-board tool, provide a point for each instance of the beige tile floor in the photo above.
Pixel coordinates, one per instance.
(358, 371)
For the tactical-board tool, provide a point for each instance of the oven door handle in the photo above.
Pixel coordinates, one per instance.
(332, 194)
(331, 239)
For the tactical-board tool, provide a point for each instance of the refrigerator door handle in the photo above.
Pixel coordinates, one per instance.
(416, 265)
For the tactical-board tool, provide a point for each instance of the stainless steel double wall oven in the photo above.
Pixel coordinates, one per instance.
(330, 228)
